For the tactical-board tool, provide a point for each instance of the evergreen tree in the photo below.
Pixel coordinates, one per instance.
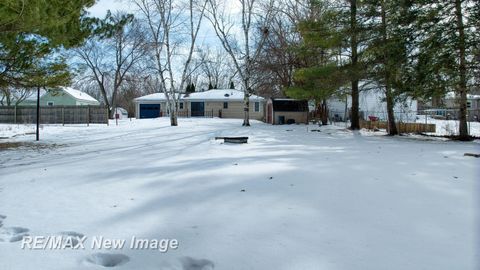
(232, 85)
(323, 75)
(447, 38)
(352, 27)
(387, 51)
(31, 30)
(210, 86)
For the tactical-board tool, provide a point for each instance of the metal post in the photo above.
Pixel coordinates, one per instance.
(15, 115)
(63, 115)
(38, 114)
(88, 115)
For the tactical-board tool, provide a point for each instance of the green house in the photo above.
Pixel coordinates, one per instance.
(66, 96)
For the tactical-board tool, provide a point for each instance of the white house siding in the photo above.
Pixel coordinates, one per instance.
(371, 104)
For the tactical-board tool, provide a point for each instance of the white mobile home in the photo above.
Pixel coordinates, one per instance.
(372, 103)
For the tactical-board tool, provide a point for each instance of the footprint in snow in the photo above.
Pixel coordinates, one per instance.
(75, 236)
(2, 217)
(12, 234)
(189, 263)
(107, 259)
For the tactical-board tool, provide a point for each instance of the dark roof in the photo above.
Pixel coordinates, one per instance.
(290, 105)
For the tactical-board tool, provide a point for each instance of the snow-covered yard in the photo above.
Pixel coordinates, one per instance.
(289, 199)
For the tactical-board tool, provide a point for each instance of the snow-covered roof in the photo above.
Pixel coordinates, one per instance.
(220, 94)
(154, 97)
(78, 94)
(211, 95)
(452, 95)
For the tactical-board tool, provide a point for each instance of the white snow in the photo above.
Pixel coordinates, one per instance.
(221, 94)
(449, 127)
(210, 95)
(332, 199)
(78, 94)
(11, 130)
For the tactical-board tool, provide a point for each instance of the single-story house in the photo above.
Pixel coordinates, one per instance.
(62, 96)
(287, 111)
(67, 96)
(224, 103)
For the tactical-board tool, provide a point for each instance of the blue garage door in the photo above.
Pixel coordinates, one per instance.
(149, 110)
(197, 108)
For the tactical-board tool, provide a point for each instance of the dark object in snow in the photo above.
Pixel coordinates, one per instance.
(233, 139)
(243, 190)
(271, 177)
(456, 177)
(472, 155)
(189, 263)
(315, 130)
(289, 130)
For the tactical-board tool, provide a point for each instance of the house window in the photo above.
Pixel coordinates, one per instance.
(225, 105)
(50, 103)
(257, 106)
(181, 105)
(469, 104)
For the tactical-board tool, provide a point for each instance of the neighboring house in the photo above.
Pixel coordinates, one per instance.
(66, 96)
(372, 103)
(287, 111)
(448, 107)
(451, 101)
(224, 103)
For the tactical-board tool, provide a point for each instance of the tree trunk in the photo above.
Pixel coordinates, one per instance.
(173, 119)
(324, 112)
(462, 84)
(355, 121)
(392, 127)
(246, 102)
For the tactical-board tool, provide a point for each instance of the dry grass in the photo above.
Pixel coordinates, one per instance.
(27, 145)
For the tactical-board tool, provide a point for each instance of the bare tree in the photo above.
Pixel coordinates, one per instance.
(166, 24)
(278, 59)
(215, 67)
(109, 57)
(13, 96)
(244, 48)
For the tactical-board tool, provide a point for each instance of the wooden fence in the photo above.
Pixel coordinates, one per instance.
(402, 127)
(54, 115)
